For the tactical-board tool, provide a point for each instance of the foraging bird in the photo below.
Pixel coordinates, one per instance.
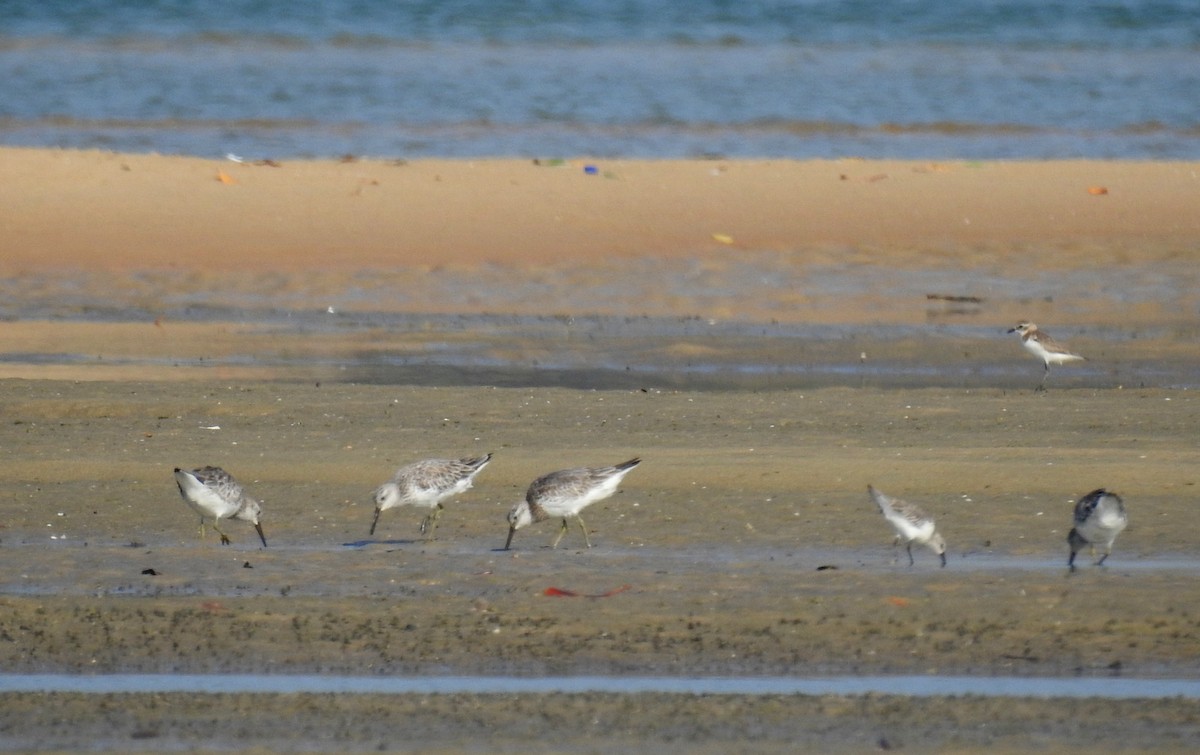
(212, 492)
(426, 484)
(1041, 345)
(1099, 518)
(564, 494)
(911, 523)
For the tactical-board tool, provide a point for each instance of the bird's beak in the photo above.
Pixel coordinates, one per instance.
(1012, 330)
(375, 521)
(261, 536)
(511, 531)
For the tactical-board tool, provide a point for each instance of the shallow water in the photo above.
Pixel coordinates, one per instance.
(1109, 687)
(182, 572)
(504, 353)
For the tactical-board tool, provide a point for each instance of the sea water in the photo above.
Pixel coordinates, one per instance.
(972, 79)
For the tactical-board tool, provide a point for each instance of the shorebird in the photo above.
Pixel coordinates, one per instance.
(426, 484)
(212, 492)
(911, 523)
(1099, 518)
(564, 494)
(1041, 345)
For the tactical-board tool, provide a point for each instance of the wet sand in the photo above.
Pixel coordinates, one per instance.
(746, 540)
(604, 723)
(313, 326)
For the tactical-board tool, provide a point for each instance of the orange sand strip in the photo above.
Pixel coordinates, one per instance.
(99, 210)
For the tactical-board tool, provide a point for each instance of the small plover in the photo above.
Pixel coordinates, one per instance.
(1099, 518)
(564, 494)
(426, 484)
(212, 492)
(1041, 345)
(911, 524)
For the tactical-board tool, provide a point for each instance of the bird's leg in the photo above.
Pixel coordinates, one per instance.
(561, 531)
(224, 538)
(201, 528)
(1107, 553)
(909, 549)
(1046, 374)
(1071, 560)
(430, 522)
(582, 529)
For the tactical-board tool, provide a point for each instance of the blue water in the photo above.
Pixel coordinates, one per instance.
(976, 79)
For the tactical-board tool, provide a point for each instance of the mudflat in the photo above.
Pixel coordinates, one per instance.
(745, 544)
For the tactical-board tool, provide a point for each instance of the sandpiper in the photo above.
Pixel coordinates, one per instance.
(564, 494)
(426, 484)
(911, 523)
(212, 492)
(1041, 345)
(1099, 518)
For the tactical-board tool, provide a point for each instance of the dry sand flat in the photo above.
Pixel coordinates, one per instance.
(131, 212)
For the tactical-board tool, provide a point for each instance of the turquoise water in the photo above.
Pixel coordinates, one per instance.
(977, 79)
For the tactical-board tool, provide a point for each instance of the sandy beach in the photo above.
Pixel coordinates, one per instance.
(104, 211)
(165, 312)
